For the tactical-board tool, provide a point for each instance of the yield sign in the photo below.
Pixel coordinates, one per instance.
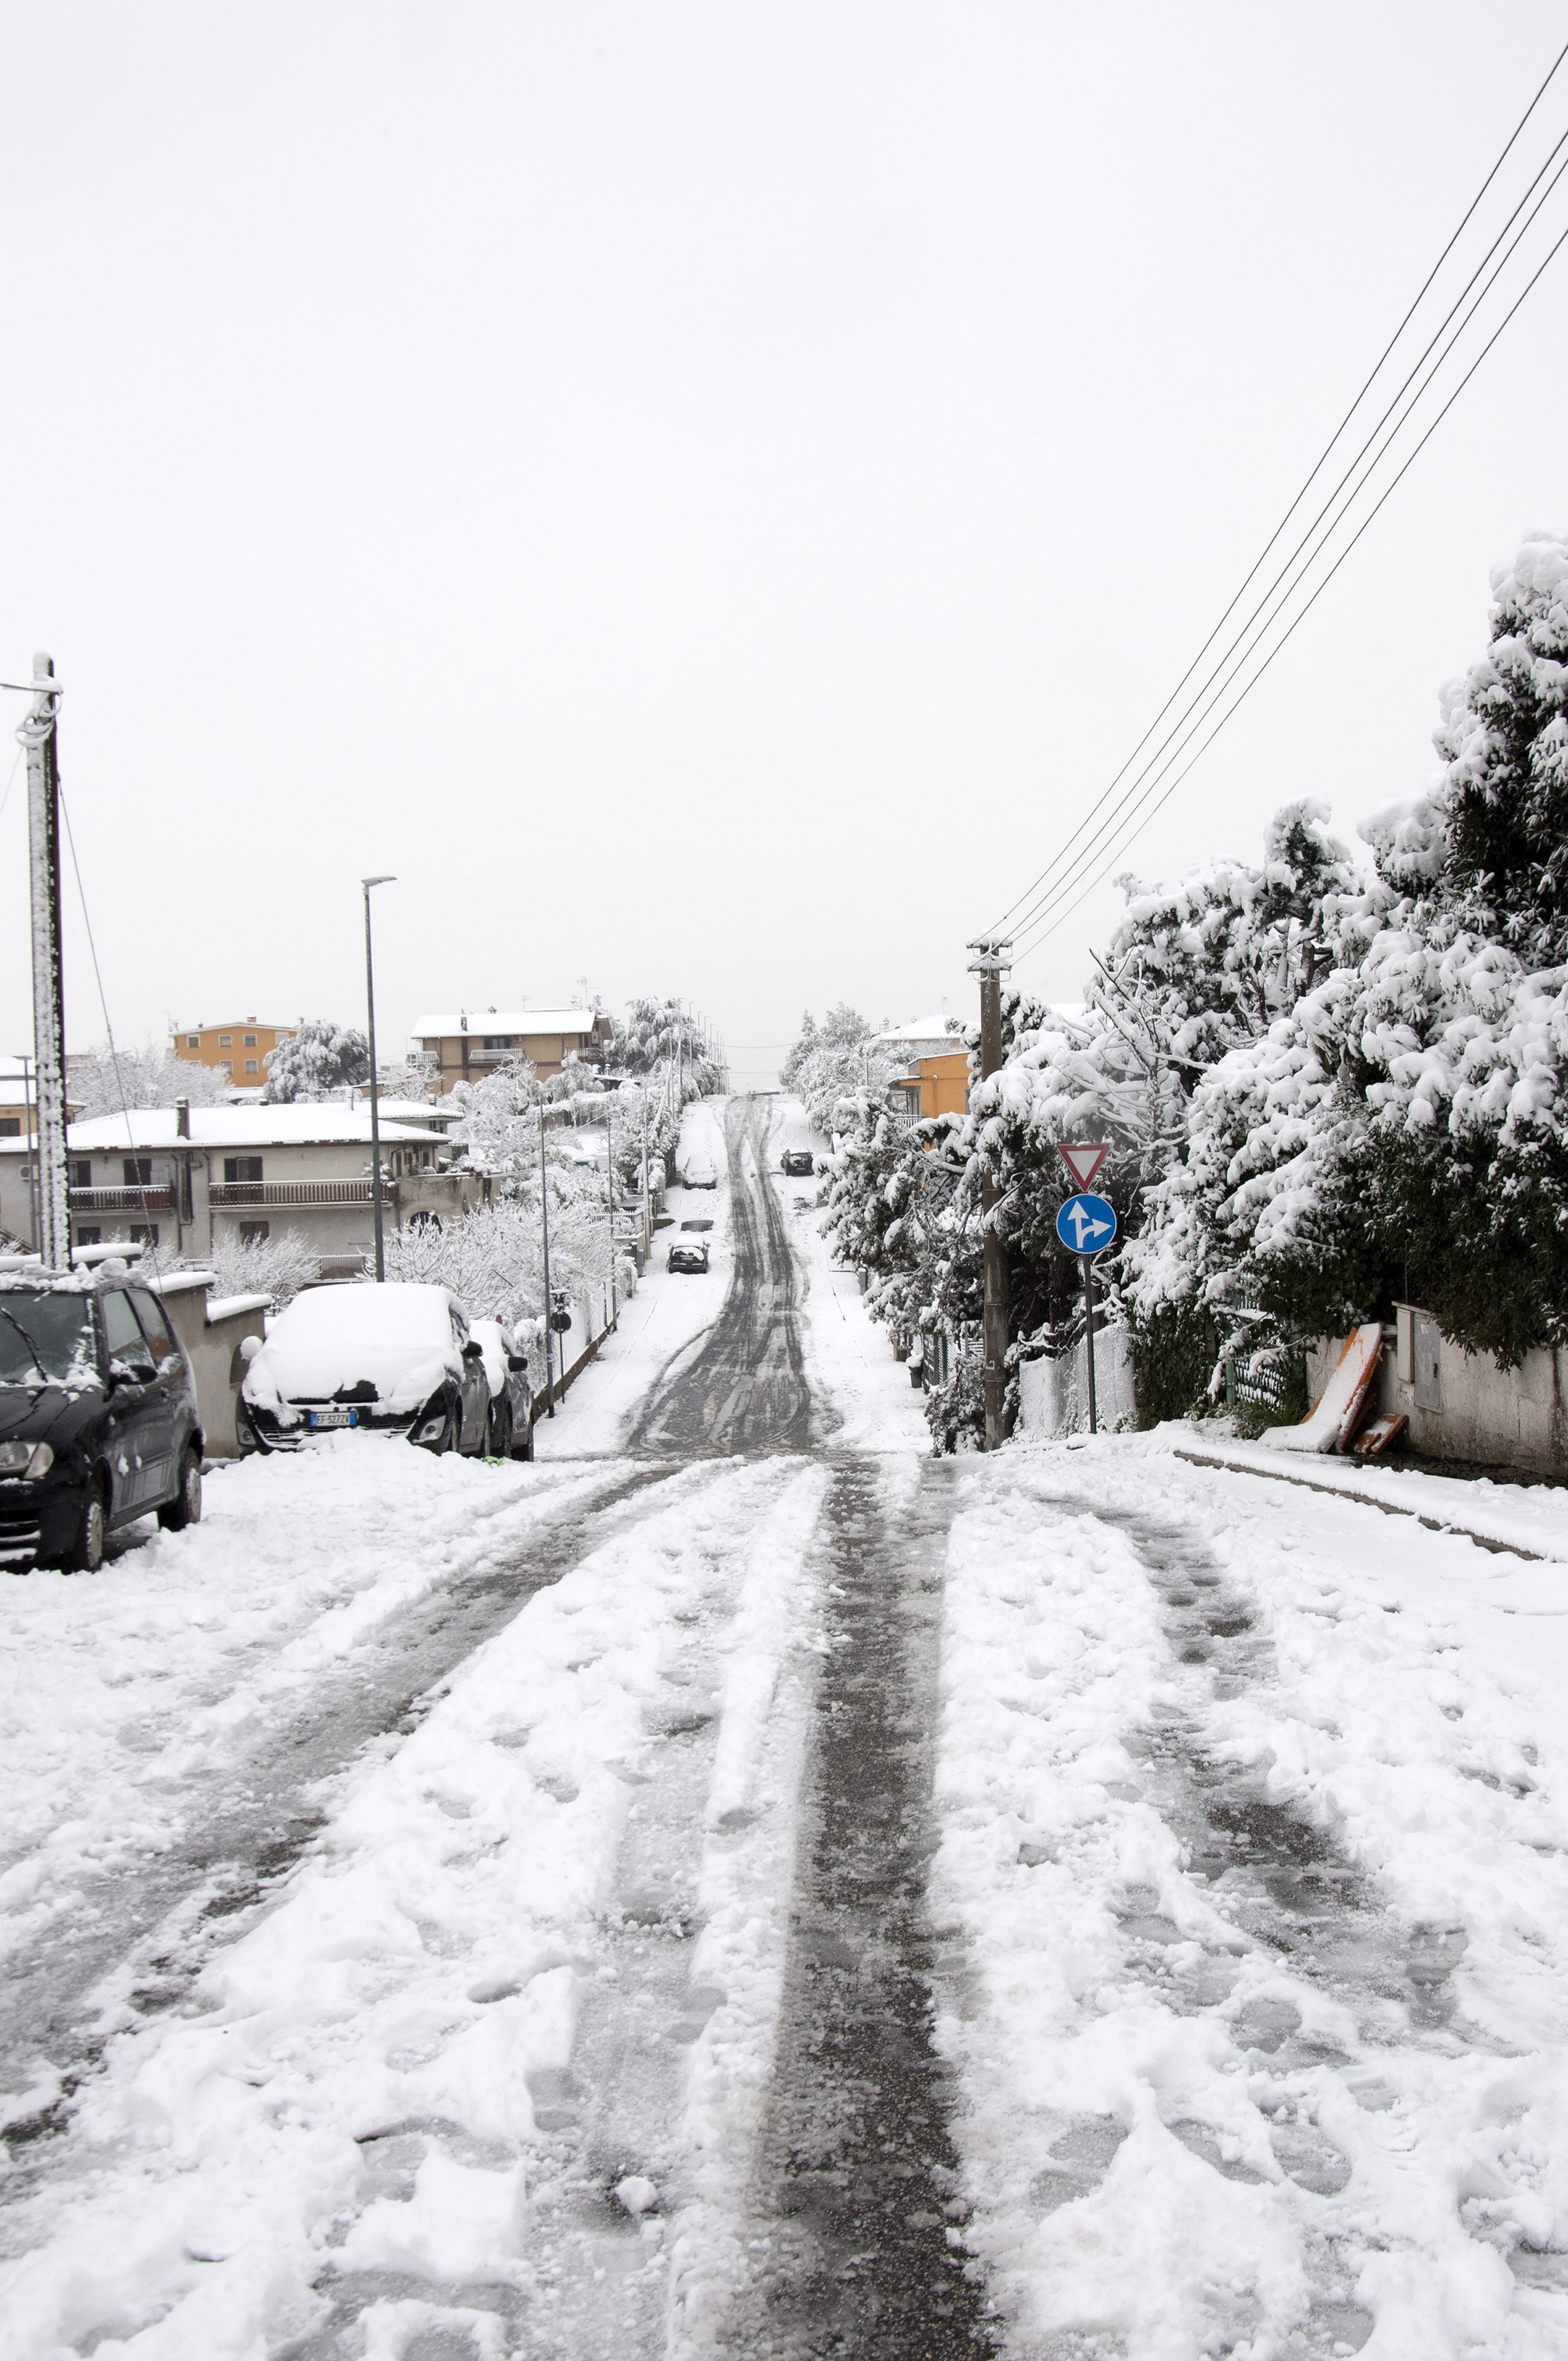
(1083, 1159)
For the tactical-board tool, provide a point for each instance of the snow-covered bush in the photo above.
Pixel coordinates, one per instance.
(321, 1057)
(278, 1265)
(493, 1258)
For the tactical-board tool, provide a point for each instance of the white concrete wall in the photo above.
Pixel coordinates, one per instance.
(1461, 1406)
(1053, 1397)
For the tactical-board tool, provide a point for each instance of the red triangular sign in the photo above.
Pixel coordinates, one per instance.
(1083, 1159)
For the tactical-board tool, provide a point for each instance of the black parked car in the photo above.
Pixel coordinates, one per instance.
(796, 1160)
(98, 1417)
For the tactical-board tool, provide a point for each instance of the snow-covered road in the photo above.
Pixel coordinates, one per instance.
(738, 1886)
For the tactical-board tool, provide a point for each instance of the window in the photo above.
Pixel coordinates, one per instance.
(10, 1127)
(193, 1040)
(254, 1234)
(144, 1233)
(500, 1040)
(250, 1066)
(121, 1334)
(89, 1234)
(80, 1175)
(242, 1168)
(225, 1040)
(225, 1065)
(137, 1171)
(155, 1324)
(250, 1044)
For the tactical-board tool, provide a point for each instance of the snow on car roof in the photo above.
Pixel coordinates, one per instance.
(295, 1124)
(398, 1312)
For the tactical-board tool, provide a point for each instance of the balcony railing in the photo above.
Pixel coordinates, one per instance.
(295, 1192)
(122, 1201)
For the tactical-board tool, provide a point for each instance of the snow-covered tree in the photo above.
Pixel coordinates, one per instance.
(276, 1267)
(322, 1059)
(100, 1081)
(662, 1037)
(1403, 1129)
(843, 1027)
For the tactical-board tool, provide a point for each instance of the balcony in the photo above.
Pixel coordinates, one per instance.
(251, 1193)
(122, 1201)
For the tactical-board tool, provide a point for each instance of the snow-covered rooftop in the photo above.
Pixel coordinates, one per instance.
(295, 1124)
(940, 1027)
(481, 1021)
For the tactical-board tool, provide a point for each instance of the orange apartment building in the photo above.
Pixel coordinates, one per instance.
(236, 1049)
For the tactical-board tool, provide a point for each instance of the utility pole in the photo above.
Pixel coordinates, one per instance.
(549, 1298)
(990, 963)
(38, 735)
(609, 1192)
(365, 884)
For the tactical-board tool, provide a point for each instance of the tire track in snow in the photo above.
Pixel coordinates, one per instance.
(850, 2240)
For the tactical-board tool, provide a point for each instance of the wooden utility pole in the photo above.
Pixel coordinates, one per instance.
(990, 963)
(52, 1234)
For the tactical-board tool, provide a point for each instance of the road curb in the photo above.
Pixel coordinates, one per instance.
(1367, 1500)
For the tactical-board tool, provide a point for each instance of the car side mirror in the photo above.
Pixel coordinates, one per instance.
(249, 1347)
(473, 1350)
(515, 1361)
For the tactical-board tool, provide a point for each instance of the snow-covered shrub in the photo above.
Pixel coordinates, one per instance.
(321, 1057)
(278, 1265)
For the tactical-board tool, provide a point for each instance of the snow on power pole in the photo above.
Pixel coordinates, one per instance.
(52, 1197)
(990, 963)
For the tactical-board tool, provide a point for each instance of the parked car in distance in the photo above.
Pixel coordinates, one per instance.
(699, 1171)
(688, 1254)
(511, 1397)
(796, 1160)
(704, 1223)
(98, 1419)
(399, 1358)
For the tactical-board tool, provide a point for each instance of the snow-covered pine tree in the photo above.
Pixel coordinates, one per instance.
(321, 1057)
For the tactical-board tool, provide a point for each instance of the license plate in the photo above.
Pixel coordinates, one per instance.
(334, 1417)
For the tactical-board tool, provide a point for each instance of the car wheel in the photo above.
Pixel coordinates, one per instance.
(185, 1509)
(449, 1439)
(497, 1441)
(86, 1552)
(523, 1449)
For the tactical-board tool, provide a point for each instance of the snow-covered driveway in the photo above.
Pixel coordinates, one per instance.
(748, 1888)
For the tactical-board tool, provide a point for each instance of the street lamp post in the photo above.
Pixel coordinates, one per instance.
(365, 884)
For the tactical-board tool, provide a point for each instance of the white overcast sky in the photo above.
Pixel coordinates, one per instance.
(702, 493)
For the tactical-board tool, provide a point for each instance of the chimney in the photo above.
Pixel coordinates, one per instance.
(181, 1118)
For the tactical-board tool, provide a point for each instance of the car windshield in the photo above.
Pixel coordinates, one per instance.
(47, 1335)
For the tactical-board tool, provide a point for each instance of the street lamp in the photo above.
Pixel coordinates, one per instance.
(365, 884)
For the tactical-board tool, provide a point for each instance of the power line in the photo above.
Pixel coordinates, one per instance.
(1039, 937)
(1083, 822)
(1204, 701)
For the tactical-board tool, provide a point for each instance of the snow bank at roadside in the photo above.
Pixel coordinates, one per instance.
(1175, 2135)
(426, 1964)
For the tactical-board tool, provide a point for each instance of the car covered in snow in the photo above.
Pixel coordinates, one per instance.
(699, 1171)
(98, 1422)
(511, 1397)
(399, 1358)
(796, 1163)
(688, 1254)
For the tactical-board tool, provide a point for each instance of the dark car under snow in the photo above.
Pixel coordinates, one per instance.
(796, 1161)
(98, 1422)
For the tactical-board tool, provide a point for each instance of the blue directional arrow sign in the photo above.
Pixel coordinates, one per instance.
(1087, 1223)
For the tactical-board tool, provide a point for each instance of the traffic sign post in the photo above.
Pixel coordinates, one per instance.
(1086, 1227)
